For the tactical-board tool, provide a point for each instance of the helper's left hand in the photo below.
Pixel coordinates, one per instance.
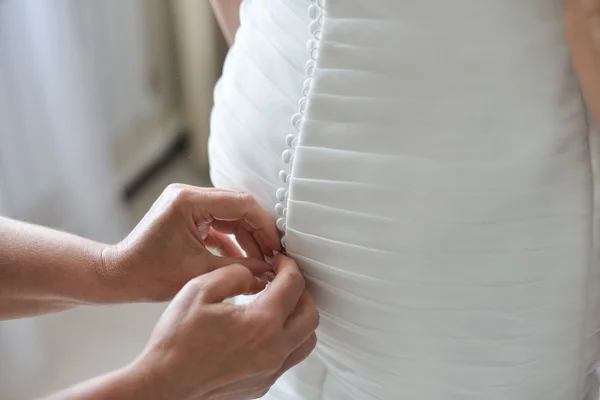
(169, 246)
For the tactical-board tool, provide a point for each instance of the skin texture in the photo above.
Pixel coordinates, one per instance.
(204, 349)
(227, 13)
(201, 348)
(582, 26)
(43, 270)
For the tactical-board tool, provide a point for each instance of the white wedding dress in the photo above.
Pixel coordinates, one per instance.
(438, 187)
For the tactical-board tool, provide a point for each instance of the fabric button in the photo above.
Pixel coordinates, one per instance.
(287, 156)
(313, 53)
(309, 67)
(310, 45)
(314, 26)
(283, 241)
(281, 194)
(289, 139)
(280, 224)
(296, 118)
(279, 209)
(313, 11)
(285, 212)
(283, 175)
(303, 108)
(294, 143)
(302, 104)
(306, 88)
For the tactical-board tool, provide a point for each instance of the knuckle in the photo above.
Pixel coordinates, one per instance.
(177, 193)
(173, 187)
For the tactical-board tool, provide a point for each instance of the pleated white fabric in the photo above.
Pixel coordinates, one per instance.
(434, 170)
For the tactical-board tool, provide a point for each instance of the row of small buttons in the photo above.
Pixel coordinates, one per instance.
(315, 11)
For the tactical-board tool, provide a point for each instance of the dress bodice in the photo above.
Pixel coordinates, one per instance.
(433, 169)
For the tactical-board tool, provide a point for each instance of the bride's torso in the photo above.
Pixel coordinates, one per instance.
(437, 190)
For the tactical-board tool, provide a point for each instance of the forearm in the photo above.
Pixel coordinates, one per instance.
(227, 13)
(125, 384)
(43, 270)
(582, 25)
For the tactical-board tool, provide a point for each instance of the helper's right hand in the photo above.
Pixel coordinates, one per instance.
(205, 349)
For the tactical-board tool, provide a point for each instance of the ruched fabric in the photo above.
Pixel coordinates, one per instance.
(433, 170)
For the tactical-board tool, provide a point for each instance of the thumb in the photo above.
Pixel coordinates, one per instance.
(229, 281)
(257, 267)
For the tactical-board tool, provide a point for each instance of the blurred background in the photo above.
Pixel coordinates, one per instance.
(103, 103)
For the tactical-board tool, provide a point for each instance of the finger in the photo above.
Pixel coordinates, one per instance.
(257, 267)
(249, 244)
(283, 293)
(299, 354)
(303, 321)
(233, 206)
(224, 244)
(226, 282)
(244, 238)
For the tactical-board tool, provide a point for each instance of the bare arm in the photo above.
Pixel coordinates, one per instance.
(128, 383)
(43, 270)
(200, 348)
(228, 16)
(582, 24)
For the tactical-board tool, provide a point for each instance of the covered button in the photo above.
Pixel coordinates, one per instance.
(303, 107)
(306, 87)
(313, 11)
(280, 224)
(281, 194)
(296, 118)
(310, 45)
(287, 156)
(309, 67)
(314, 26)
(279, 208)
(289, 139)
(283, 175)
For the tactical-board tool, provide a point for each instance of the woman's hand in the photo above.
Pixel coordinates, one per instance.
(205, 349)
(582, 25)
(169, 246)
(43, 270)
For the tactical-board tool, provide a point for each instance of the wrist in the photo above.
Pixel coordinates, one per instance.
(109, 273)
